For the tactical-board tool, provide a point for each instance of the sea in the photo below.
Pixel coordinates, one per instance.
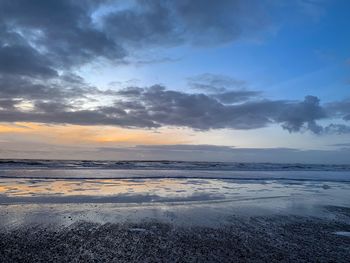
(58, 191)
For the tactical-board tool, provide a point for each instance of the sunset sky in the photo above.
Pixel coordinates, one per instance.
(228, 80)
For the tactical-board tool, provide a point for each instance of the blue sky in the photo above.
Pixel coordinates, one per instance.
(301, 53)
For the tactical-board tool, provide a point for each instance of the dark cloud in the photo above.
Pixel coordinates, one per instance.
(305, 112)
(156, 107)
(55, 35)
(24, 60)
(66, 113)
(340, 109)
(337, 128)
(42, 106)
(65, 87)
(198, 111)
(187, 21)
(151, 22)
(8, 104)
(201, 111)
(60, 33)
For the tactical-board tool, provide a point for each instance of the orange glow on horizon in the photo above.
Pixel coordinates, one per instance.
(91, 135)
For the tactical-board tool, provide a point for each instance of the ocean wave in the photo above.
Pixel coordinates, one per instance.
(92, 174)
(166, 165)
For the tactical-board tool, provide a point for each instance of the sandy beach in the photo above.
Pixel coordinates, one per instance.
(240, 239)
(171, 217)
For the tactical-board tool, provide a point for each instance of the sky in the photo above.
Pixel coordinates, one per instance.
(199, 80)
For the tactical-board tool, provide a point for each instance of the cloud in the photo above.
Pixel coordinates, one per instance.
(183, 148)
(8, 104)
(198, 111)
(205, 111)
(59, 32)
(178, 152)
(305, 112)
(155, 106)
(224, 88)
(64, 87)
(340, 109)
(236, 96)
(12, 60)
(172, 23)
(63, 35)
(341, 145)
(40, 41)
(229, 154)
(337, 128)
(214, 83)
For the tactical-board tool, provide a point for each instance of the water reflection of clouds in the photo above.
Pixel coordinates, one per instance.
(155, 190)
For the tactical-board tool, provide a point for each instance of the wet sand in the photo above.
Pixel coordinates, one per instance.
(240, 239)
(174, 220)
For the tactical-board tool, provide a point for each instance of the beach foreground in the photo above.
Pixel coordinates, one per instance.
(104, 215)
(241, 239)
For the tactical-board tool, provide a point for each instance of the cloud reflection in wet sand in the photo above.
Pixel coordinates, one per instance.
(155, 190)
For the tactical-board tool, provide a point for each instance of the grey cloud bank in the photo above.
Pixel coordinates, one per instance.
(156, 106)
(230, 154)
(339, 155)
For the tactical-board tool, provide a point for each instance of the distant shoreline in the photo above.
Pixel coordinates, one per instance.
(167, 165)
